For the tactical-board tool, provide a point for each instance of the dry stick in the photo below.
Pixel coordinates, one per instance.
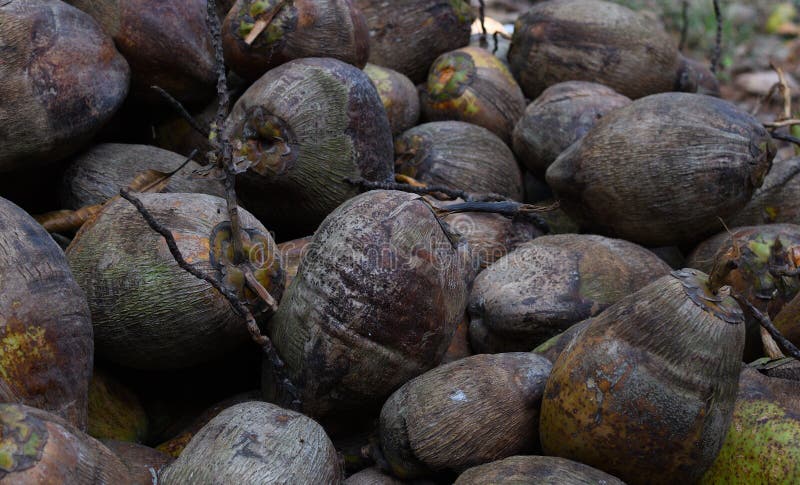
(180, 110)
(432, 190)
(767, 324)
(771, 92)
(771, 347)
(684, 24)
(717, 54)
(789, 138)
(482, 17)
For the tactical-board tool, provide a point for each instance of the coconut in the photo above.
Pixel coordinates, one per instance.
(650, 384)
(689, 160)
(46, 348)
(472, 85)
(696, 77)
(459, 155)
(115, 412)
(536, 469)
(143, 462)
(546, 285)
(258, 35)
(372, 476)
(292, 253)
(559, 117)
(148, 313)
(398, 95)
(472, 411)
(61, 80)
(303, 129)
(776, 201)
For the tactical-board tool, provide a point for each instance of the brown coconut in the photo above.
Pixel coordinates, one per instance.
(536, 469)
(292, 30)
(407, 35)
(143, 462)
(398, 95)
(559, 117)
(592, 40)
(46, 347)
(39, 447)
(689, 160)
(546, 285)
(304, 128)
(470, 84)
(292, 253)
(458, 155)
(473, 411)
(650, 384)
(777, 200)
(61, 80)
(115, 411)
(375, 303)
(148, 313)
(167, 44)
(257, 442)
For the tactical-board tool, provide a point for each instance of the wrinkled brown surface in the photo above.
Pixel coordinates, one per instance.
(545, 470)
(147, 312)
(559, 117)
(375, 303)
(776, 200)
(307, 28)
(257, 442)
(592, 40)
(553, 347)
(663, 170)
(37, 447)
(695, 77)
(398, 95)
(459, 155)
(142, 461)
(61, 79)
(46, 347)
(115, 411)
(340, 130)
(649, 385)
(473, 411)
(167, 44)
(372, 476)
(548, 284)
(96, 175)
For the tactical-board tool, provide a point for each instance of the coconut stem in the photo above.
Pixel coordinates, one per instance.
(765, 322)
(181, 111)
(684, 24)
(717, 54)
(482, 17)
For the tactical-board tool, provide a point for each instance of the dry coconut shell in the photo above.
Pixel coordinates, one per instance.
(372, 476)
(147, 312)
(303, 129)
(473, 411)
(398, 95)
(254, 443)
(61, 80)
(407, 35)
(46, 347)
(96, 175)
(559, 117)
(553, 347)
(375, 303)
(545, 470)
(459, 344)
(258, 35)
(458, 155)
(592, 40)
(167, 44)
(546, 285)
(292, 253)
(115, 411)
(470, 84)
(689, 160)
(777, 200)
(762, 442)
(39, 447)
(696, 77)
(175, 134)
(143, 462)
(650, 384)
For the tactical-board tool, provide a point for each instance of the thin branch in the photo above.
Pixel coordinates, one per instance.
(782, 123)
(717, 54)
(482, 16)
(767, 324)
(786, 93)
(684, 24)
(507, 208)
(432, 190)
(783, 137)
(181, 111)
(760, 103)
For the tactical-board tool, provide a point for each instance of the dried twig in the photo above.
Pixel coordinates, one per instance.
(482, 16)
(432, 190)
(784, 137)
(684, 24)
(765, 322)
(180, 110)
(717, 53)
(771, 347)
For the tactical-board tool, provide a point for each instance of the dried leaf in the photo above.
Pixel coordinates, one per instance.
(65, 221)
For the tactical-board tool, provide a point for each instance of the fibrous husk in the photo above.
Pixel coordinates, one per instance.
(115, 412)
(689, 159)
(167, 44)
(375, 303)
(61, 80)
(38, 447)
(472, 411)
(97, 174)
(763, 442)
(259, 35)
(148, 313)
(559, 117)
(546, 285)
(696, 77)
(458, 155)
(777, 200)
(592, 40)
(142, 461)
(303, 128)
(253, 443)
(372, 476)
(650, 384)
(46, 347)
(459, 345)
(407, 35)
(545, 470)
(292, 253)
(553, 347)
(470, 84)
(398, 95)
